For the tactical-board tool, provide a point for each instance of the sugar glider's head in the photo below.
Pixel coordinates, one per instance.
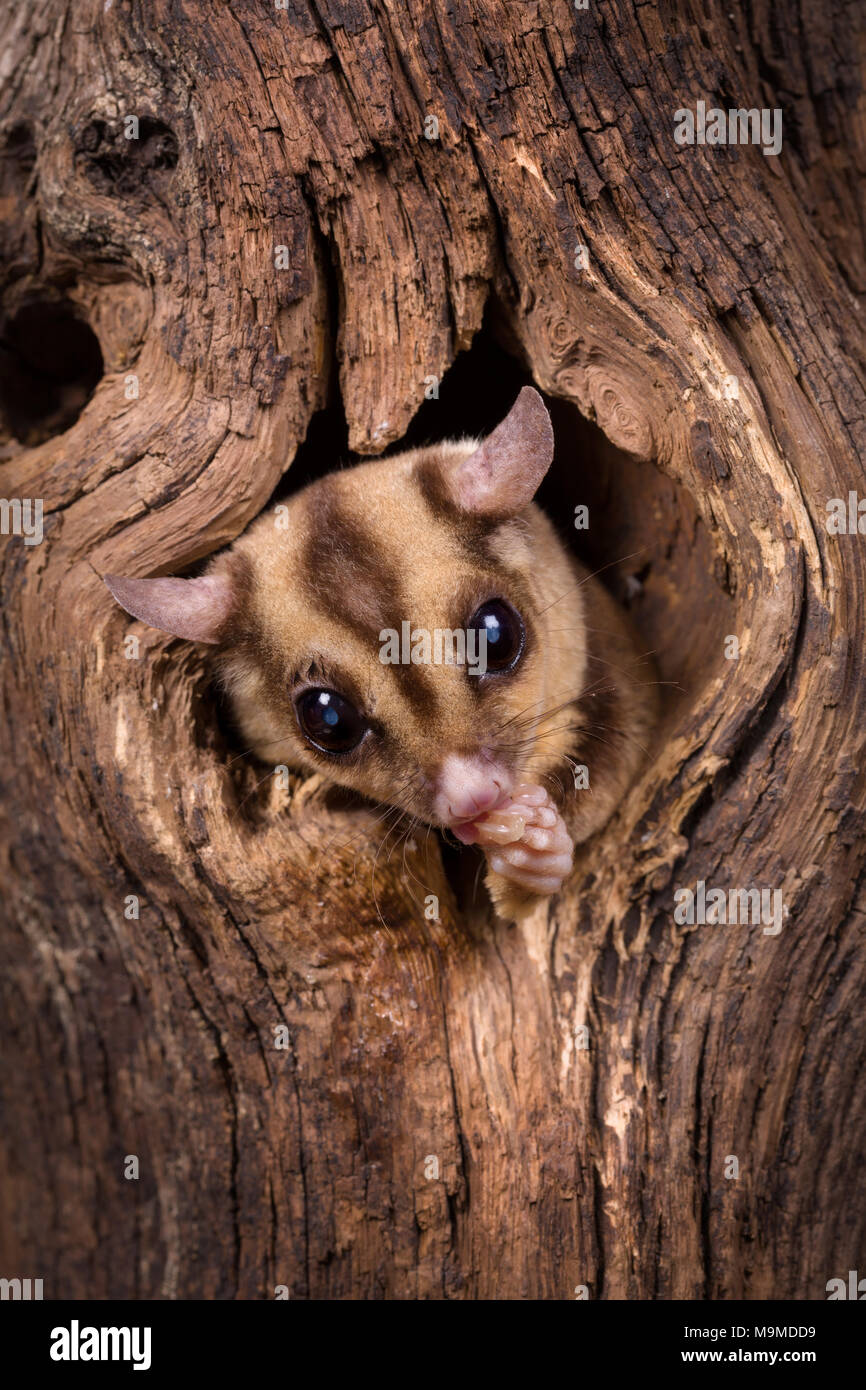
(409, 627)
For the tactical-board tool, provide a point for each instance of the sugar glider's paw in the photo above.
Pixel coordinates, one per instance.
(528, 850)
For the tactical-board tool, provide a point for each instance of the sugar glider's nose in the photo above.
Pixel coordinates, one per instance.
(465, 786)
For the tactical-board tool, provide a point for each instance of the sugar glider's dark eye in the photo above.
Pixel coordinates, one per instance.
(506, 635)
(329, 721)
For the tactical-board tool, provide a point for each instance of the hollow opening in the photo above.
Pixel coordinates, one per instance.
(642, 533)
(50, 365)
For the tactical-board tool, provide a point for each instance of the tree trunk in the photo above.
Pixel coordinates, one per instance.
(463, 1109)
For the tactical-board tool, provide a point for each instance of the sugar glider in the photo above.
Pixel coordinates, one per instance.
(524, 760)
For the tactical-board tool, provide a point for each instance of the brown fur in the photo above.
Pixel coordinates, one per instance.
(368, 548)
(426, 537)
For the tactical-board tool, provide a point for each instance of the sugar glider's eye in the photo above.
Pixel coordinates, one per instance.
(506, 635)
(329, 721)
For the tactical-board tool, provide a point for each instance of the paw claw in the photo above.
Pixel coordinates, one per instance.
(527, 842)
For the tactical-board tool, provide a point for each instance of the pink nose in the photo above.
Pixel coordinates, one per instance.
(465, 787)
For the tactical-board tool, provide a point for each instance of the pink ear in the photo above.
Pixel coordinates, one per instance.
(193, 608)
(504, 473)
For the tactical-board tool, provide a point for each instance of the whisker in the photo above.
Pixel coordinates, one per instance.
(525, 716)
(389, 808)
(620, 733)
(380, 820)
(574, 766)
(593, 575)
(481, 864)
(373, 878)
(425, 888)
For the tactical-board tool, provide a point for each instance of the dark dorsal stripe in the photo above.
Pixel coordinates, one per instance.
(349, 578)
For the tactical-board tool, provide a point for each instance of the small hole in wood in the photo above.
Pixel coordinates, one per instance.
(50, 365)
(123, 158)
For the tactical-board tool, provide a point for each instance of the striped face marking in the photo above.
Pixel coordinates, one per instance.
(376, 549)
(356, 584)
(438, 545)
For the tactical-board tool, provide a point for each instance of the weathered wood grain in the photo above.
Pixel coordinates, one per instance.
(304, 128)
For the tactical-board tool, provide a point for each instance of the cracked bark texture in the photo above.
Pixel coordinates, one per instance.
(413, 1040)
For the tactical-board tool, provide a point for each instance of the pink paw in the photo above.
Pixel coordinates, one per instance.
(525, 840)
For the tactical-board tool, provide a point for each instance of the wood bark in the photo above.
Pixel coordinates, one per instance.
(435, 1128)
